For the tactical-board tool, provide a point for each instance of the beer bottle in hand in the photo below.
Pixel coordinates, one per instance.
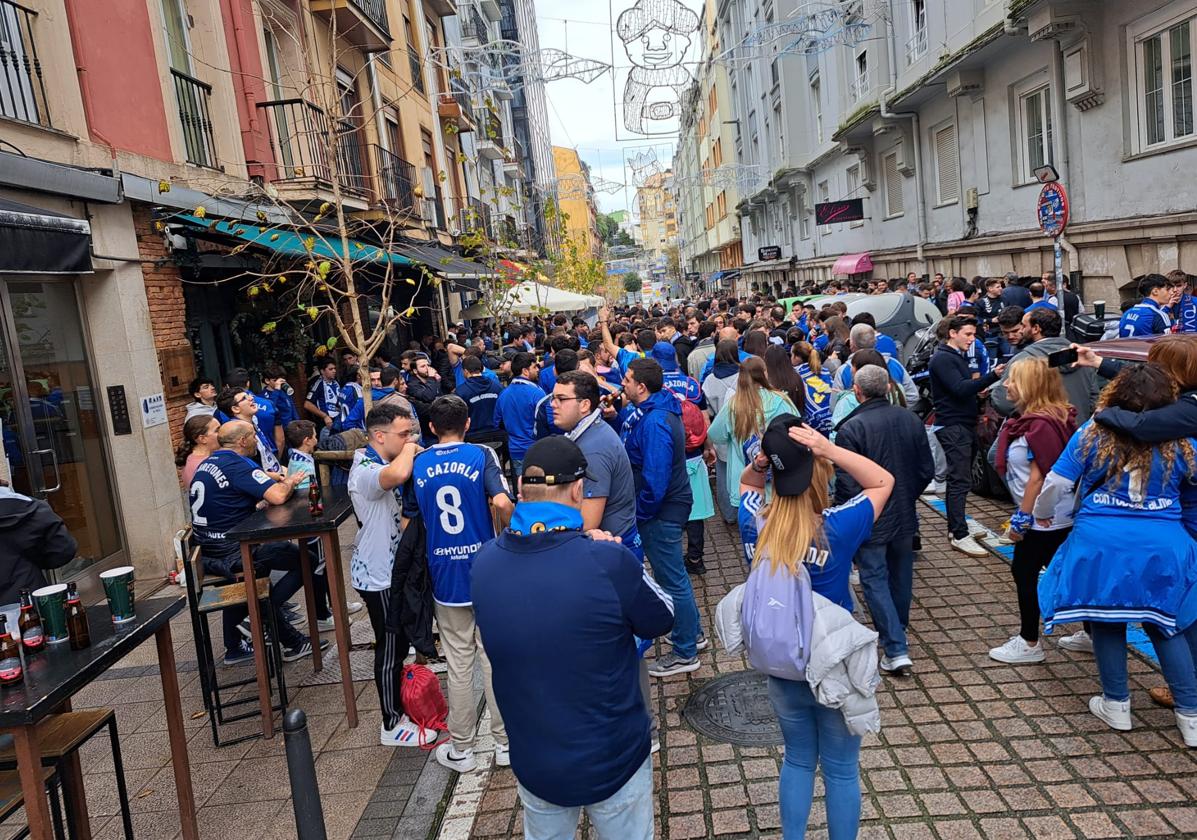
(10, 656)
(33, 637)
(76, 619)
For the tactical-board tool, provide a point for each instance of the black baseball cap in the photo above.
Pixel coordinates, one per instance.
(792, 463)
(558, 457)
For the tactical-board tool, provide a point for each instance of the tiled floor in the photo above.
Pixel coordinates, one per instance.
(969, 747)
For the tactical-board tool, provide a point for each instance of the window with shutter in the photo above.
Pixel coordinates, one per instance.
(947, 170)
(893, 185)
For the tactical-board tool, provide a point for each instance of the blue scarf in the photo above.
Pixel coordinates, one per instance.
(538, 517)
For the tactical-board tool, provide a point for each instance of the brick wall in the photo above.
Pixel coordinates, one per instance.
(168, 315)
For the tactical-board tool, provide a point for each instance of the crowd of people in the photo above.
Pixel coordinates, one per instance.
(544, 485)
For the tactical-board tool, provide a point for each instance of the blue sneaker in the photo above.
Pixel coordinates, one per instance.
(240, 655)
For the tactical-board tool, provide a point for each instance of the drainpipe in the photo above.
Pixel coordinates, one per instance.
(1074, 262)
(886, 113)
(376, 95)
(81, 72)
(241, 48)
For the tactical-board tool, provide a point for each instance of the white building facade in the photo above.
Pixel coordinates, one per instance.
(938, 115)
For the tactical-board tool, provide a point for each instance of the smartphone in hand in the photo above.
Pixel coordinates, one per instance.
(1067, 356)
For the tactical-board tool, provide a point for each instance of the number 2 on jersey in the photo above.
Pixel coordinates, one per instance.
(197, 502)
(448, 499)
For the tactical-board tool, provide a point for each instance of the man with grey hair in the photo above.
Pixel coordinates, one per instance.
(864, 337)
(893, 437)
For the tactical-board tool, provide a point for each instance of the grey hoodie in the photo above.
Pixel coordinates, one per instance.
(1081, 383)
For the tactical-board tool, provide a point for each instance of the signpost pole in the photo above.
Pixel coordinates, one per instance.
(1059, 265)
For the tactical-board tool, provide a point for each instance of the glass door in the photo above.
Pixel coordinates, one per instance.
(49, 415)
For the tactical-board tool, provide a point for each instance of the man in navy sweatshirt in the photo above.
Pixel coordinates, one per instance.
(652, 433)
(954, 392)
(559, 611)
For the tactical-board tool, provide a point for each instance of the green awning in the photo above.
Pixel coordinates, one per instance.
(292, 242)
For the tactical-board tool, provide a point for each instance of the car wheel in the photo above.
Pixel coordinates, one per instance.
(986, 481)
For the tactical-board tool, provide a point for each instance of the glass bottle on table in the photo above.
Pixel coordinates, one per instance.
(11, 672)
(315, 505)
(76, 618)
(33, 635)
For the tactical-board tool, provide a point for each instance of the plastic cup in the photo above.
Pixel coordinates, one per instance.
(118, 586)
(1099, 309)
(51, 606)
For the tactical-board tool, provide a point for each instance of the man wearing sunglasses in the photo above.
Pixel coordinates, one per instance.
(239, 404)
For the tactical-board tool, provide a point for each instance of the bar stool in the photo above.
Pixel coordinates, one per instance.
(59, 736)
(206, 596)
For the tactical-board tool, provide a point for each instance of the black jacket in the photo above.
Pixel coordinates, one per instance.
(953, 390)
(421, 394)
(682, 347)
(411, 589)
(1170, 422)
(32, 538)
(895, 438)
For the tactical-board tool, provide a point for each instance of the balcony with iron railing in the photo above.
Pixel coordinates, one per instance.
(396, 181)
(490, 141)
(916, 47)
(22, 91)
(361, 22)
(474, 27)
(416, 68)
(199, 139)
(308, 147)
(455, 107)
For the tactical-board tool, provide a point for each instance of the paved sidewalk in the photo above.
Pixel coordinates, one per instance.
(969, 747)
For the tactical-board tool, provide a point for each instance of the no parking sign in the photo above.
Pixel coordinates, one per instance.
(1052, 209)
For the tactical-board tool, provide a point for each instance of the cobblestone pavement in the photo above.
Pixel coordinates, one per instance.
(969, 747)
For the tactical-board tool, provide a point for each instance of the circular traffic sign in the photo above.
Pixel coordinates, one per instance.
(1052, 209)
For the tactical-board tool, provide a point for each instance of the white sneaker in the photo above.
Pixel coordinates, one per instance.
(976, 529)
(502, 755)
(900, 664)
(969, 546)
(1115, 714)
(1016, 652)
(325, 625)
(406, 734)
(1188, 728)
(854, 576)
(448, 756)
(1080, 642)
(935, 488)
(353, 607)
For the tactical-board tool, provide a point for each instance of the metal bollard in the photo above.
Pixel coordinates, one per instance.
(305, 792)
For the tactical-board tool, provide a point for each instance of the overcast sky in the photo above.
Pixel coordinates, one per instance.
(582, 116)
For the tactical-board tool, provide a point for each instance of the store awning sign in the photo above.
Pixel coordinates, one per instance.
(834, 212)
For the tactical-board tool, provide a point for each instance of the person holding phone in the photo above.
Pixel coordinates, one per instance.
(1043, 327)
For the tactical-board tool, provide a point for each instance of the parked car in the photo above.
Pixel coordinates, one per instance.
(898, 315)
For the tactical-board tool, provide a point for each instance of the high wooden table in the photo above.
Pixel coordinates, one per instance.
(292, 521)
(54, 675)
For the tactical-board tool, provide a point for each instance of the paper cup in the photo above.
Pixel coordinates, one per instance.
(118, 586)
(51, 606)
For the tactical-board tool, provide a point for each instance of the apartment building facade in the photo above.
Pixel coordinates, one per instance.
(705, 188)
(576, 200)
(112, 295)
(937, 114)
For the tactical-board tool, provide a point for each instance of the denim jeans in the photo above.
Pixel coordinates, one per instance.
(1178, 662)
(663, 546)
(815, 736)
(887, 576)
(625, 815)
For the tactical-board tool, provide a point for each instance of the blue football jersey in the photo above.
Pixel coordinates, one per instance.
(454, 483)
(226, 489)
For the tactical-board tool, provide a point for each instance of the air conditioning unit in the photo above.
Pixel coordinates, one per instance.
(965, 83)
(1051, 22)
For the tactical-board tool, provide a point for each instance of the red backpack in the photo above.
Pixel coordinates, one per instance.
(694, 424)
(423, 701)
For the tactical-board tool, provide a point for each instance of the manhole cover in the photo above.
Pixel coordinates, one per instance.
(736, 710)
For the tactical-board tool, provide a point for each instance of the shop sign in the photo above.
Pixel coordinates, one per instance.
(834, 212)
(768, 253)
(153, 410)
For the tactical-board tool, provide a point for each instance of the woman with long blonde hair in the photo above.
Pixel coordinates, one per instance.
(1129, 557)
(743, 419)
(796, 529)
(1028, 446)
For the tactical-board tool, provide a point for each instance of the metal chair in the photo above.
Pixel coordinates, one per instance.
(60, 735)
(207, 595)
